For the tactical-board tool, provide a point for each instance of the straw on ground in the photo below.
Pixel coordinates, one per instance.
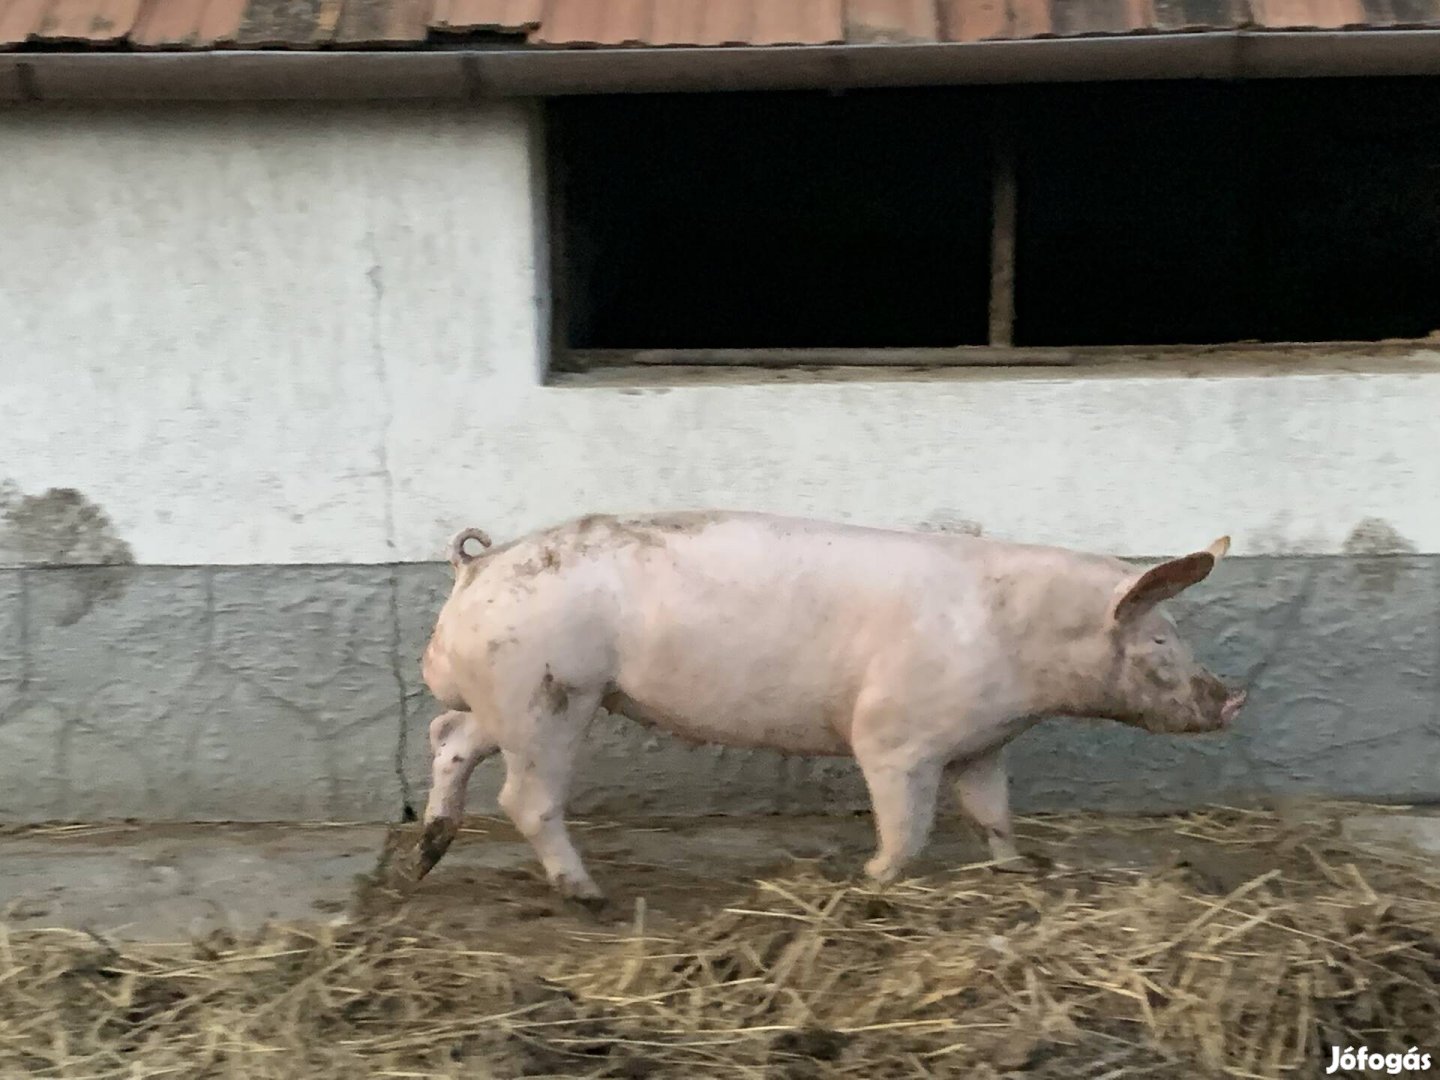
(1069, 973)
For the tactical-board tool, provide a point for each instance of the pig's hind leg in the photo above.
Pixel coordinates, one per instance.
(458, 742)
(982, 787)
(540, 752)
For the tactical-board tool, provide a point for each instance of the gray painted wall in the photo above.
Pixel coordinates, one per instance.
(294, 692)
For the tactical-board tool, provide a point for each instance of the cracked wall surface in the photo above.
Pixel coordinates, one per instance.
(293, 692)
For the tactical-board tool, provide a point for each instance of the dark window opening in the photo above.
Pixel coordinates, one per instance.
(1175, 213)
(774, 221)
(1159, 213)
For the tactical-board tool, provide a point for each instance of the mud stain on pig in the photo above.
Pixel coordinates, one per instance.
(681, 522)
(445, 727)
(562, 547)
(496, 644)
(649, 531)
(62, 528)
(551, 695)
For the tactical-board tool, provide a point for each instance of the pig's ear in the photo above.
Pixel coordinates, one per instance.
(1219, 548)
(1136, 595)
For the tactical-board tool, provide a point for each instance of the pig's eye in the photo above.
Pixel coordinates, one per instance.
(1160, 640)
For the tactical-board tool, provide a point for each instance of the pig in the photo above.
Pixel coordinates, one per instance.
(920, 655)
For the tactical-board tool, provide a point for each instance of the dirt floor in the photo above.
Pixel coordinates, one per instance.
(1235, 943)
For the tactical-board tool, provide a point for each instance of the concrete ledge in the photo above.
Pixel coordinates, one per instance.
(293, 693)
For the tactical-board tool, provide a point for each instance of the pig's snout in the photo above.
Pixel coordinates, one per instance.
(1222, 705)
(1213, 705)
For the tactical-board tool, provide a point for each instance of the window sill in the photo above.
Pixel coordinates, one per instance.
(665, 367)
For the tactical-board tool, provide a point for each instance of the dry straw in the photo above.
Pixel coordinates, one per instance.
(1173, 971)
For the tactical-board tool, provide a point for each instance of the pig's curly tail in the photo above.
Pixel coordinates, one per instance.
(458, 555)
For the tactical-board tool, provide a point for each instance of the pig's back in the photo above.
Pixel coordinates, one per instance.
(809, 559)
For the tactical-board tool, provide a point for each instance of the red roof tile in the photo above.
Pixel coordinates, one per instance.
(1322, 14)
(989, 20)
(797, 22)
(287, 24)
(19, 19)
(220, 21)
(974, 20)
(96, 21)
(586, 22)
(891, 21)
(504, 16)
(552, 24)
(1178, 16)
(1100, 17)
(383, 22)
(685, 22)
(699, 22)
(165, 22)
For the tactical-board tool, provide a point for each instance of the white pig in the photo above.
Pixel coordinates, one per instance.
(914, 653)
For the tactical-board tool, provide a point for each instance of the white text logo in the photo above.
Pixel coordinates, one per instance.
(1362, 1060)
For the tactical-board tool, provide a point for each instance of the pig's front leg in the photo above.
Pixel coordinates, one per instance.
(902, 797)
(458, 742)
(983, 789)
(903, 780)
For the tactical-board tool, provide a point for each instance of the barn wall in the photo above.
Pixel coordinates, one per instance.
(264, 361)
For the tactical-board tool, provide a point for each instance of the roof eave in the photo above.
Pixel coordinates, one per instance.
(433, 73)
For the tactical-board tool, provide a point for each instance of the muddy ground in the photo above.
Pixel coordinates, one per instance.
(1229, 943)
(158, 883)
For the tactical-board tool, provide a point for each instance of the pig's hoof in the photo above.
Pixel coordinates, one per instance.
(434, 842)
(1019, 864)
(881, 871)
(595, 905)
(581, 890)
(1024, 864)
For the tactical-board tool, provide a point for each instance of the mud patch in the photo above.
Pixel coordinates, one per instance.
(62, 528)
(942, 521)
(1375, 536)
(1370, 542)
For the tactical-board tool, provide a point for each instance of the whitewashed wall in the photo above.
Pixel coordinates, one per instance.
(311, 336)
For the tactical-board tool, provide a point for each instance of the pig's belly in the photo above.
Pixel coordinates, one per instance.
(794, 723)
(745, 658)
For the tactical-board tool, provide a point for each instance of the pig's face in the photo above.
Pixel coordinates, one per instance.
(1155, 681)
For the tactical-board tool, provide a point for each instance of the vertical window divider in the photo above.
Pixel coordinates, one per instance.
(1003, 193)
